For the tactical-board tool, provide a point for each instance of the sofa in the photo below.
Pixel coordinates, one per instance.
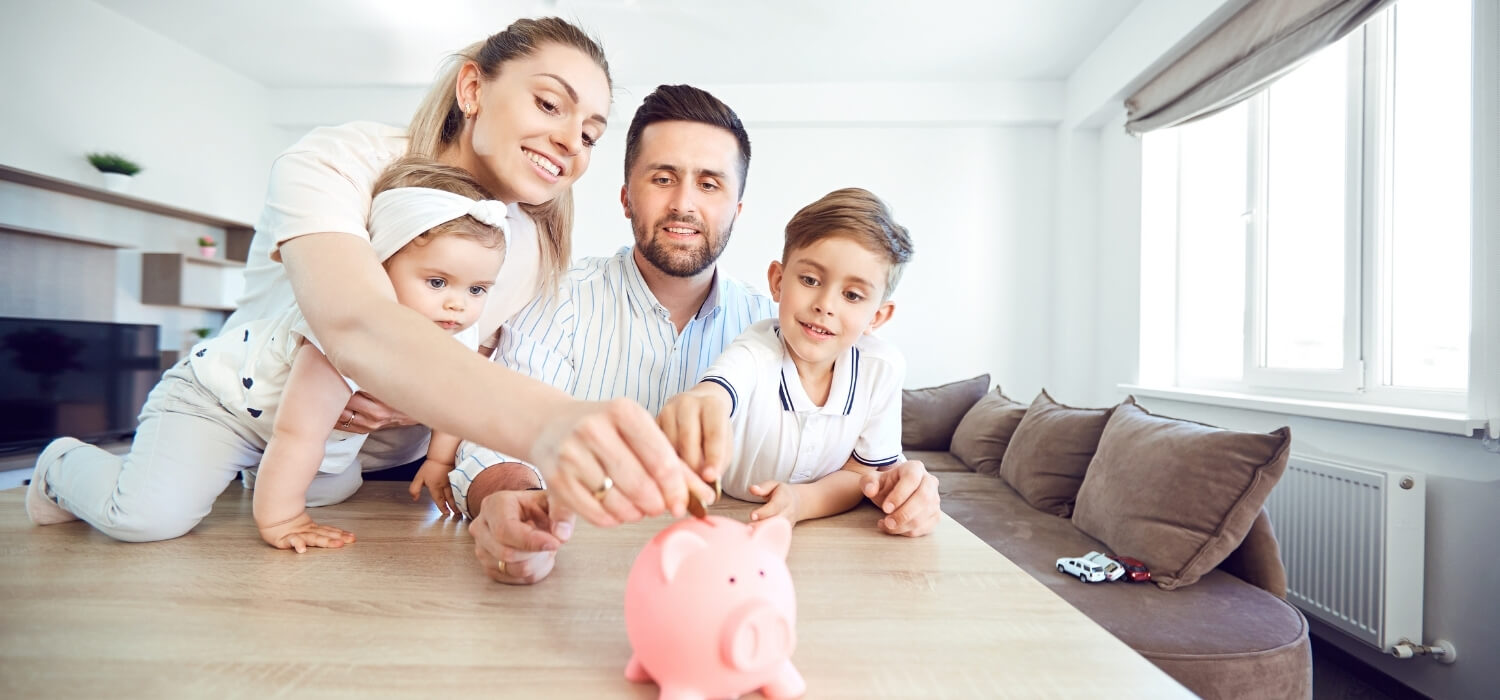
(1044, 480)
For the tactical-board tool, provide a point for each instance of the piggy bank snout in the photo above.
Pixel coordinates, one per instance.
(755, 636)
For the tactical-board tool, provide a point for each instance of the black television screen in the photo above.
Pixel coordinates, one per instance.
(79, 378)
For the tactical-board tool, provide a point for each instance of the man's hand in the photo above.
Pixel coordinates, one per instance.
(434, 475)
(366, 414)
(517, 534)
(908, 495)
(781, 501)
(301, 532)
(696, 422)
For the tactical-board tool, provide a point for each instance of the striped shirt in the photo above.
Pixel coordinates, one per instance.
(604, 335)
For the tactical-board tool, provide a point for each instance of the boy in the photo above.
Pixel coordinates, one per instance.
(812, 398)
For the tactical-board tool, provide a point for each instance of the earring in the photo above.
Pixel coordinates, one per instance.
(468, 110)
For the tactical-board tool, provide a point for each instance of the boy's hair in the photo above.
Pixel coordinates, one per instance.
(856, 214)
(685, 103)
(416, 171)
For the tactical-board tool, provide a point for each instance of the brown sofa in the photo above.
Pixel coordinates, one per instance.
(1224, 632)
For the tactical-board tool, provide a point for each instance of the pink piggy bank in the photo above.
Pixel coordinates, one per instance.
(711, 612)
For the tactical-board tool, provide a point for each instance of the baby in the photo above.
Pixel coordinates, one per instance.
(263, 394)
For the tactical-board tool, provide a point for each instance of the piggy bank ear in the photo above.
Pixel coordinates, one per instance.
(775, 534)
(676, 549)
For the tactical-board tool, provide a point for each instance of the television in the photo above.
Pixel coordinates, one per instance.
(79, 378)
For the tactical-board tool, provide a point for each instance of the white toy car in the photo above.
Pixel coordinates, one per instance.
(1091, 568)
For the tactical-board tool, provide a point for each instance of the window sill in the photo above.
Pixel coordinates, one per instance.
(1409, 418)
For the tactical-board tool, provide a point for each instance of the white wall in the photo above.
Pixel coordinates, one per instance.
(78, 78)
(1463, 479)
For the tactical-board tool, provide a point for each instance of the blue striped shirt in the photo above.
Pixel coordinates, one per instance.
(604, 335)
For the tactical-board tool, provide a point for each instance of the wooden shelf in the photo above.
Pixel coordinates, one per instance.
(167, 280)
(76, 238)
(200, 260)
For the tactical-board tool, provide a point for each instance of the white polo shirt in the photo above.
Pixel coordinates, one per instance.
(779, 435)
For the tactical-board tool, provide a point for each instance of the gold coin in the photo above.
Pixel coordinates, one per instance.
(695, 507)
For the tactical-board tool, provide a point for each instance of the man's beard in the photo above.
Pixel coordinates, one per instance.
(675, 260)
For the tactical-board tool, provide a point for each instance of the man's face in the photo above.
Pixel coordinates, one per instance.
(682, 195)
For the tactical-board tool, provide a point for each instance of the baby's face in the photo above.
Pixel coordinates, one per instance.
(447, 279)
(830, 293)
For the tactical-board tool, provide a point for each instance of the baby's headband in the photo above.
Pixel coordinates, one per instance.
(400, 214)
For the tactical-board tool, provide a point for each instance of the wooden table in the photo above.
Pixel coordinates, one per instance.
(406, 612)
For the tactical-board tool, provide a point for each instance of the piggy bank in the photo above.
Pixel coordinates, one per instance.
(711, 612)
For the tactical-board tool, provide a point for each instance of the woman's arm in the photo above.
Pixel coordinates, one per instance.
(408, 362)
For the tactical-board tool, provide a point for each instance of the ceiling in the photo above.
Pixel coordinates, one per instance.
(366, 43)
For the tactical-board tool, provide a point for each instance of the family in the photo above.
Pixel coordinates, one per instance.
(612, 389)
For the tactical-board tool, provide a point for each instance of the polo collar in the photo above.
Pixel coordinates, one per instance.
(840, 395)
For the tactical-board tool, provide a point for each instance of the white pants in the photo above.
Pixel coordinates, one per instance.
(186, 451)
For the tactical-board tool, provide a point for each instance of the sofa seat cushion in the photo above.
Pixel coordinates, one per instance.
(937, 462)
(1220, 637)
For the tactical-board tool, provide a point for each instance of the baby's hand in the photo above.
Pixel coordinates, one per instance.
(697, 424)
(301, 532)
(781, 500)
(434, 475)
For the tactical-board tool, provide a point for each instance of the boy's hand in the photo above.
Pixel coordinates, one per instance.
(434, 475)
(697, 424)
(301, 532)
(781, 500)
(909, 496)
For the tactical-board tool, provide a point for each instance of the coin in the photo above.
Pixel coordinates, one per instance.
(698, 508)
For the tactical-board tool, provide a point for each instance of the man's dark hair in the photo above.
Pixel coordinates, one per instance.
(688, 104)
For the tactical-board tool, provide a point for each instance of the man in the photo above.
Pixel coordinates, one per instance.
(642, 324)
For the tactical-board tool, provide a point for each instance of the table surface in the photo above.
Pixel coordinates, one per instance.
(405, 611)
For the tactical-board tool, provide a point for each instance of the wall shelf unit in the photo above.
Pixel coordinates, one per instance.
(179, 279)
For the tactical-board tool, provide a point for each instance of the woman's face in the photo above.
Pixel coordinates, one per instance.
(536, 123)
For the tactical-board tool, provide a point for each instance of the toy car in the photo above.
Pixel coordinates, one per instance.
(1134, 569)
(1091, 568)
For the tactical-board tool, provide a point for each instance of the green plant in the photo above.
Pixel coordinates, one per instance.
(202, 332)
(113, 163)
(205, 241)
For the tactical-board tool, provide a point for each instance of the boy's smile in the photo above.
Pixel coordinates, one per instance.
(830, 293)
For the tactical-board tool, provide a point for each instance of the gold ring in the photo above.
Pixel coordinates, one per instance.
(603, 489)
(502, 567)
(348, 420)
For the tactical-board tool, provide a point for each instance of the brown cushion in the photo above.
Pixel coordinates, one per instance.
(928, 416)
(981, 437)
(1177, 495)
(1050, 451)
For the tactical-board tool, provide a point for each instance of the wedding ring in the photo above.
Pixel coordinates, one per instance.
(348, 420)
(502, 567)
(603, 489)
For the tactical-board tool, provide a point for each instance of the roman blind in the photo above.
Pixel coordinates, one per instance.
(1247, 51)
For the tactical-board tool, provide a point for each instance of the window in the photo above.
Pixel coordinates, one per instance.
(1313, 242)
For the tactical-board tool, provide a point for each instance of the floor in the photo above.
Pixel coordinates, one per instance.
(1339, 676)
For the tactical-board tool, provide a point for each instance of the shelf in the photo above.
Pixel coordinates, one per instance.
(48, 182)
(76, 238)
(170, 279)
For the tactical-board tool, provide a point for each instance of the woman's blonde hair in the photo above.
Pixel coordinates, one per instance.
(439, 120)
(415, 171)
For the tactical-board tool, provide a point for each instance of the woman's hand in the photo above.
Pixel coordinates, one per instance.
(609, 463)
(301, 532)
(366, 414)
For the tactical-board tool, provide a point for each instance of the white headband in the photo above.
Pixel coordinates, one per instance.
(400, 214)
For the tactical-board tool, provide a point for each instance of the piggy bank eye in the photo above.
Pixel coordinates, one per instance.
(762, 573)
(731, 579)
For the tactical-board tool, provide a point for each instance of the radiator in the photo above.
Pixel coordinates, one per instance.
(1352, 540)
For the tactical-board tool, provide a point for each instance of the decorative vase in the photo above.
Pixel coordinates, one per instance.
(116, 182)
(209, 251)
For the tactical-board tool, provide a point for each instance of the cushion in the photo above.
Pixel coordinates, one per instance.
(1050, 451)
(1178, 495)
(928, 416)
(981, 437)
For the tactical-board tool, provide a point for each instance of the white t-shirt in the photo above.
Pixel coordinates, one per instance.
(323, 183)
(780, 435)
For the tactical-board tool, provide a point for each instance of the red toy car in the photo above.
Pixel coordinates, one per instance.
(1134, 569)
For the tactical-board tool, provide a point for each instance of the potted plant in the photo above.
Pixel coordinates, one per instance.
(117, 170)
(207, 246)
